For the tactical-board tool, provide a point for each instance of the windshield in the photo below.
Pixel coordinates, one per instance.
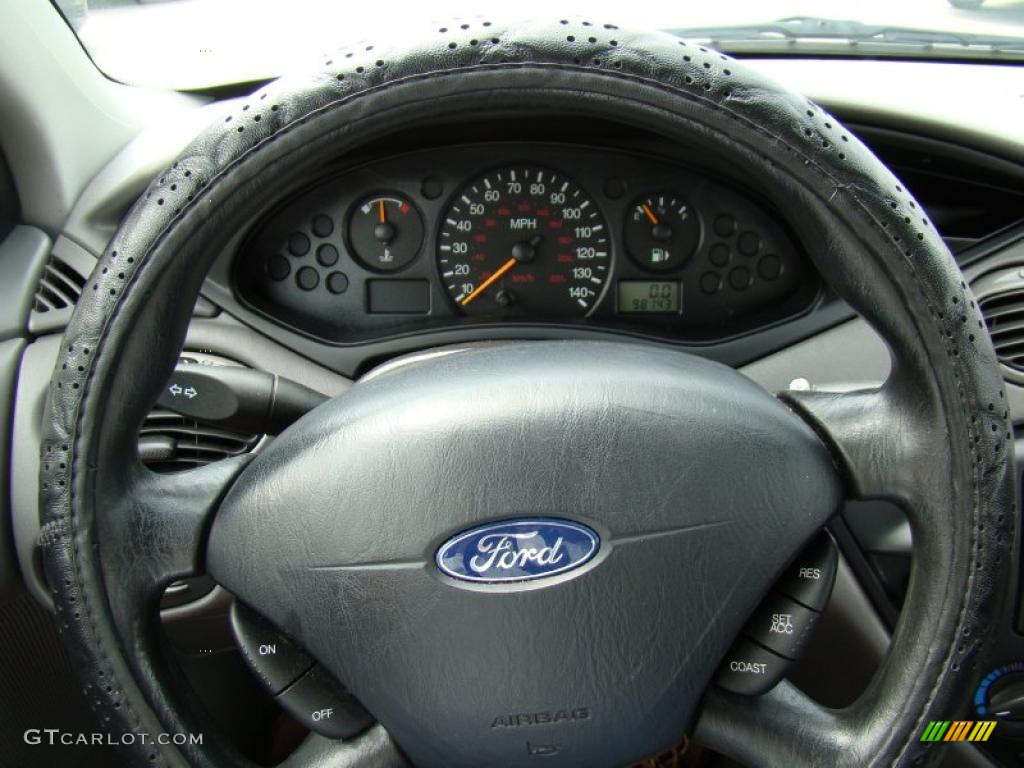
(196, 44)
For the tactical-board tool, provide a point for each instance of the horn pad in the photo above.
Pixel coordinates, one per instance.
(528, 549)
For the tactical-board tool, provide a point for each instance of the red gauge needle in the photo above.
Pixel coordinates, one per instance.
(650, 214)
(383, 215)
(490, 280)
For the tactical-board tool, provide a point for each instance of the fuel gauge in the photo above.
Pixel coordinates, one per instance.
(385, 233)
(662, 232)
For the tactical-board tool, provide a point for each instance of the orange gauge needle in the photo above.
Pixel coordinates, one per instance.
(490, 280)
(383, 216)
(650, 214)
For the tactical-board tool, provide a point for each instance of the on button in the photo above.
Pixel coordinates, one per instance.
(273, 657)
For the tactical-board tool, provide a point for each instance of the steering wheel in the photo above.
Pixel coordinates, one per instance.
(697, 485)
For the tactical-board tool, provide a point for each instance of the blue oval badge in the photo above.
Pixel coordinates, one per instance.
(517, 550)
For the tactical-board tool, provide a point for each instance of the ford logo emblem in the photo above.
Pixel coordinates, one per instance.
(517, 550)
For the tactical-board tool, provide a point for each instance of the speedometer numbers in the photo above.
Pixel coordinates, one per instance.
(523, 241)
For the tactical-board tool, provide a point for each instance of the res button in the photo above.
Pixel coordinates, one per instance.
(809, 578)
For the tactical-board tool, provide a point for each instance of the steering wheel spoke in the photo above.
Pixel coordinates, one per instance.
(879, 440)
(782, 727)
(153, 533)
(372, 749)
(167, 516)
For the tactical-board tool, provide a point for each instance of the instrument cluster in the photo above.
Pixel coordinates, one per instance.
(525, 234)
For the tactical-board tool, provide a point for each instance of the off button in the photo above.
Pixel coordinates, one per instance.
(319, 703)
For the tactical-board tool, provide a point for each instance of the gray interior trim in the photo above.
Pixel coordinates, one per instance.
(848, 356)
(107, 195)
(33, 378)
(10, 205)
(224, 335)
(23, 255)
(10, 577)
(63, 120)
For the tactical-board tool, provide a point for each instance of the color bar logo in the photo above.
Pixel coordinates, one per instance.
(958, 730)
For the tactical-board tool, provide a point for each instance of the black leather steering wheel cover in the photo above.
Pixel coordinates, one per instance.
(874, 247)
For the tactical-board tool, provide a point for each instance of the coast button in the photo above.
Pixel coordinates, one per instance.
(749, 669)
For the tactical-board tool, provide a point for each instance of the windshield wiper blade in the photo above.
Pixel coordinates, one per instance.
(811, 32)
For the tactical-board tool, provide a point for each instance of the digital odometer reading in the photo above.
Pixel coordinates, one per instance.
(647, 296)
(523, 241)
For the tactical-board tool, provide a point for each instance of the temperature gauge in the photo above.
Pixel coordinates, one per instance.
(662, 232)
(385, 233)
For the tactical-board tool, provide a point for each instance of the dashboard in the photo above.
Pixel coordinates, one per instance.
(616, 238)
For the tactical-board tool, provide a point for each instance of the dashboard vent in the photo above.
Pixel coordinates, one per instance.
(1000, 298)
(63, 278)
(60, 287)
(1004, 316)
(169, 442)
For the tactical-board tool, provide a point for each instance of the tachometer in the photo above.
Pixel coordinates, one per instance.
(526, 242)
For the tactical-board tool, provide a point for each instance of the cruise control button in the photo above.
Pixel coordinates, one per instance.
(749, 669)
(322, 705)
(782, 625)
(810, 577)
(275, 659)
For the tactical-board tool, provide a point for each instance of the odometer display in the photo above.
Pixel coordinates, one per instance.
(523, 241)
(648, 296)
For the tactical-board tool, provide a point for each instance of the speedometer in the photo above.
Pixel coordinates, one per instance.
(523, 241)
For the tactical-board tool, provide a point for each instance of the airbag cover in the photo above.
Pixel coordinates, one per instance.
(699, 485)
